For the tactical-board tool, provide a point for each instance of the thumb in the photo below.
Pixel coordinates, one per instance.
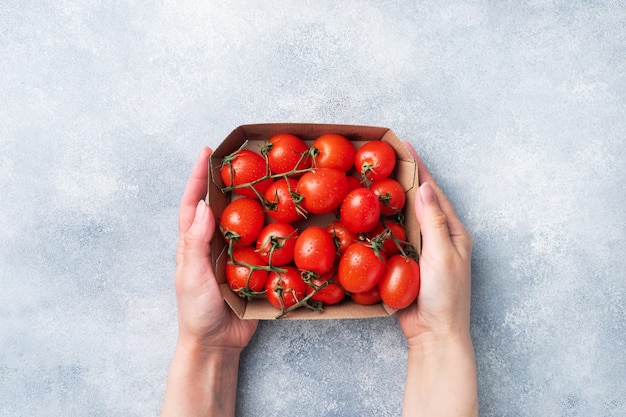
(432, 219)
(197, 240)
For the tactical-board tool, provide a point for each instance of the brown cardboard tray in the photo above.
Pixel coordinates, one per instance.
(253, 136)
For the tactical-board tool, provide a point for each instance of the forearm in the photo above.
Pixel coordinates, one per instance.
(201, 382)
(441, 378)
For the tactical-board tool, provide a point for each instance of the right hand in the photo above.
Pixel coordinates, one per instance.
(442, 309)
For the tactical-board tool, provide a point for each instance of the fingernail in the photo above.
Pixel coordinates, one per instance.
(427, 194)
(201, 209)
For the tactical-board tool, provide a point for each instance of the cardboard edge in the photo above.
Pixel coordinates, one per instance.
(260, 309)
(406, 171)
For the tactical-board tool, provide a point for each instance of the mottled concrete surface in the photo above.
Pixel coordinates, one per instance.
(518, 108)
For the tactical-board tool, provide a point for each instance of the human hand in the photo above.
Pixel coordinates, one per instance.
(441, 369)
(443, 304)
(203, 375)
(204, 318)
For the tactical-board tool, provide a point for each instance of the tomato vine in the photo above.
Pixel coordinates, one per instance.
(287, 287)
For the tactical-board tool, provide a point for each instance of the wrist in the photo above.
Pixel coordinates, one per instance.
(428, 343)
(197, 349)
(441, 366)
(202, 380)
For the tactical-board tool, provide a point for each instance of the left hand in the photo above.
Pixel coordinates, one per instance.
(203, 316)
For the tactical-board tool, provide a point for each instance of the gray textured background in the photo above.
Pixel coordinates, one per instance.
(518, 108)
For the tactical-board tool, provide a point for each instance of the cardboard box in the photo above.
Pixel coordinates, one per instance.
(254, 135)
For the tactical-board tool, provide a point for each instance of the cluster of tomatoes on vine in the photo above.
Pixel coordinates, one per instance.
(361, 253)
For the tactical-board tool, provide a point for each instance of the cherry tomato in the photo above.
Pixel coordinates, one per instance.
(286, 152)
(333, 151)
(400, 284)
(375, 160)
(323, 190)
(288, 287)
(282, 201)
(367, 297)
(391, 195)
(395, 230)
(242, 220)
(276, 242)
(341, 236)
(330, 294)
(360, 210)
(360, 268)
(244, 167)
(240, 277)
(314, 250)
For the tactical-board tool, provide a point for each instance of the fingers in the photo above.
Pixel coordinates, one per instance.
(435, 211)
(196, 241)
(195, 190)
(457, 232)
(433, 221)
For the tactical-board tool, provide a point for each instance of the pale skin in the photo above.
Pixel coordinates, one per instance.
(441, 371)
(203, 375)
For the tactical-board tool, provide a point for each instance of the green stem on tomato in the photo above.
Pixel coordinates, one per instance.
(295, 171)
(246, 292)
(303, 302)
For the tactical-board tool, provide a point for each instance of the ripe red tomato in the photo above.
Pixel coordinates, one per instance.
(276, 242)
(284, 289)
(333, 151)
(367, 297)
(335, 179)
(341, 236)
(241, 277)
(396, 231)
(360, 268)
(286, 152)
(391, 195)
(375, 160)
(360, 210)
(400, 284)
(242, 220)
(314, 250)
(282, 199)
(244, 167)
(322, 190)
(330, 294)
